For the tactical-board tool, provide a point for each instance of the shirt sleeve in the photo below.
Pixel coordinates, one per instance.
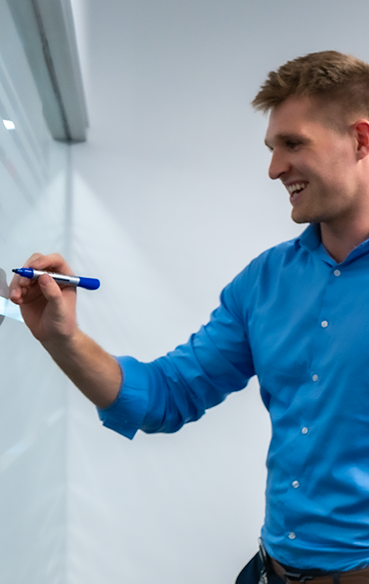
(175, 389)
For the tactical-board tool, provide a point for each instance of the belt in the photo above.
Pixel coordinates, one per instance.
(350, 577)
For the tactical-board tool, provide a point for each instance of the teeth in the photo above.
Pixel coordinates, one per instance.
(295, 187)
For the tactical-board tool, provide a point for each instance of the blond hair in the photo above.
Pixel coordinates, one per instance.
(328, 75)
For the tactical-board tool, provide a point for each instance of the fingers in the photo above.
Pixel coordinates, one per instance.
(18, 289)
(50, 263)
(22, 289)
(15, 294)
(47, 308)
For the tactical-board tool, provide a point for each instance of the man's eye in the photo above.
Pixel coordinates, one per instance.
(292, 144)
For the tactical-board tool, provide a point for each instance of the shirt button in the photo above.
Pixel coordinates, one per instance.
(295, 484)
(324, 323)
(292, 535)
(315, 377)
(337, 272)
(305, 430)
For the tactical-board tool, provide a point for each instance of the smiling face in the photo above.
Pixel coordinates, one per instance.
(316, 162)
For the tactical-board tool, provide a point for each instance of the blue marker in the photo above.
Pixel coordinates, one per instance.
(88, 283)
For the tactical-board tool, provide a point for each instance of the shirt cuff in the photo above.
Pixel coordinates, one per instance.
(126, 414)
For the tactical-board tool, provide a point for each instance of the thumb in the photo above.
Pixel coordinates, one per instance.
(49, 288)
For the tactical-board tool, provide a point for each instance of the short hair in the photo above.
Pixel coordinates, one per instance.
(329, 75)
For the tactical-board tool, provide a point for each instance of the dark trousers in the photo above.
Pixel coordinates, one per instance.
(251, 573)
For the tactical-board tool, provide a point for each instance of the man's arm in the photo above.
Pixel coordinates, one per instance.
(49, 311)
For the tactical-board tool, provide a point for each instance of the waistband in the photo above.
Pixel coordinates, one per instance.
(349, 577)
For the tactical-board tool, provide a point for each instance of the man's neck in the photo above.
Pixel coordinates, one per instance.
(340, 242)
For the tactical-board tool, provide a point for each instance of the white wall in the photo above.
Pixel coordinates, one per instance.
(171, 200)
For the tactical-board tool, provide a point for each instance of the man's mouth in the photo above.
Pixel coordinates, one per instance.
(296, 188)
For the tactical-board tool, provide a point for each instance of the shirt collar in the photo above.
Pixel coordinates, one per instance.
(311, 239)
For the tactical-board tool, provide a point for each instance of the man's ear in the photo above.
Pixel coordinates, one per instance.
(361, 130)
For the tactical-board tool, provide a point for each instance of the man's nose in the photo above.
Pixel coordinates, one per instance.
(279, 165)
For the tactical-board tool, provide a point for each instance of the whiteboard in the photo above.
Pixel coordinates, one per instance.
(33, 214)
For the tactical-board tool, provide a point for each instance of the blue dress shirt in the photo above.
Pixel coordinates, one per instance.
(300, 322)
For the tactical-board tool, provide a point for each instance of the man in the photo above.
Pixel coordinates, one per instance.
(296, 317)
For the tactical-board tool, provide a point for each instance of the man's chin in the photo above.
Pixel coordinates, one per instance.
(300, 218)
